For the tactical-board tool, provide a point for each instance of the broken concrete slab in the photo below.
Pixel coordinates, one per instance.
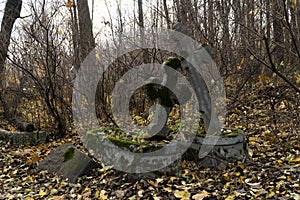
(68, 162)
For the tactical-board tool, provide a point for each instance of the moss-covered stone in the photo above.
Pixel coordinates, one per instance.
(79, 165)
(121, 142)
(69, 154)
(226, 133)
(231, 132)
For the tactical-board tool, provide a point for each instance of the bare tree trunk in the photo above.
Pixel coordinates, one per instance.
(295, 28)
(195, 15)
(141, 13)
(226, 35)
(167, 14)
(75, 37)
(11, 14)
(87, 41)
(178, 10)
(187, 14)
(294, 19)
(211, 31)
(205, 18)
(298, 18)
(183, 14)
(268, 18)
(142, 30)
(251, 23)
(237, 20)
(278, 33)
(261, 25)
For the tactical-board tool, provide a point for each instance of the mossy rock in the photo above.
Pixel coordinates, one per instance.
(128, 143)
(230, 147)
(68, 161)
(121, 142)
(228, 136)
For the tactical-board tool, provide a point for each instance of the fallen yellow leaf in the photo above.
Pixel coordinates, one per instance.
(53, 191)
(168, 189)
(62, 197)
(103, 195)
(279, 161)
(182, 194)
(201, 195)
(42, 192)
(295, 160)
(159, 180)
(230, 197)
(226, 177)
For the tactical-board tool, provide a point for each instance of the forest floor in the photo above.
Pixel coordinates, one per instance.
(269, 118)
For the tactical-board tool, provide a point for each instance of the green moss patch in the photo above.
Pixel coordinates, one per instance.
(69, 154)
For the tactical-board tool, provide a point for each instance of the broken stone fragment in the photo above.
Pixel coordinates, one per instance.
(68, 162)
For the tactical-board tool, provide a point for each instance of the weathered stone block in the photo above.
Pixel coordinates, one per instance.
(227, 149)
(23, 138)
(68, 162)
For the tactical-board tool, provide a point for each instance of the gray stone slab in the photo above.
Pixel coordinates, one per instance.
(68, 162)
(23, 138)
(226, 150)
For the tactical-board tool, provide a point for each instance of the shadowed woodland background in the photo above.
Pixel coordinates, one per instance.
(257, 46)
